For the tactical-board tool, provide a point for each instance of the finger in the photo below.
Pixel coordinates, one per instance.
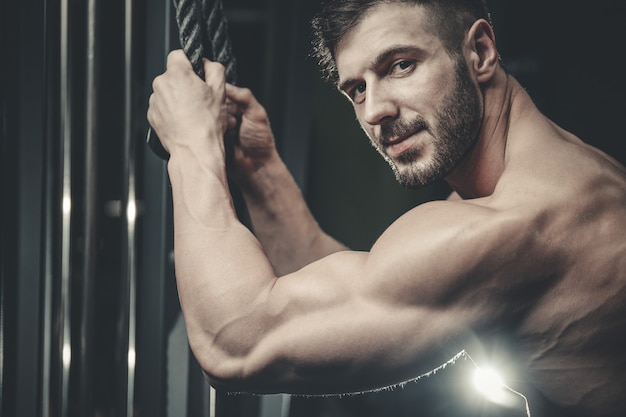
(177, 57)
(232, 121)
(232, 109)
(214, 73)
(233, 113)
(241, 95)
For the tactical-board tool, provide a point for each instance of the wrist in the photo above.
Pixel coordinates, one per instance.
(255, 173)
(203, 158)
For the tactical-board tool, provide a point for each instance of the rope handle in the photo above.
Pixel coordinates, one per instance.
(203, 32)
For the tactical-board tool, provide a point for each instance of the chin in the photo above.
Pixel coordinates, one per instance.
(419, 173)
(414, 176)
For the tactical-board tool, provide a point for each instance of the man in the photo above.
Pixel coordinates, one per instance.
(529, 250)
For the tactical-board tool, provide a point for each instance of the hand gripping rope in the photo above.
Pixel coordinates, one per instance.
(203, 33)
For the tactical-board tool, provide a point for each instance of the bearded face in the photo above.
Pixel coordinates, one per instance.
(454, 130)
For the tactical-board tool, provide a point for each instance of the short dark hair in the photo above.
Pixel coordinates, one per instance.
(451, 17)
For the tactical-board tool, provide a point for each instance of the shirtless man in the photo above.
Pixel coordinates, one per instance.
(530, 248)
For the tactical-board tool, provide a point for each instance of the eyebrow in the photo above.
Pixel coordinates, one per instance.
(380, 59)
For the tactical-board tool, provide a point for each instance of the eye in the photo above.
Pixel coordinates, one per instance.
(357, 91)
(402, 66)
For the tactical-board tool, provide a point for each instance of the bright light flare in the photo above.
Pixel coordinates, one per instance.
(67, 355)
(489, 383)
(131, 212)
(67, 205)
(132, 358)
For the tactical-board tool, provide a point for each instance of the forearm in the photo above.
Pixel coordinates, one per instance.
(282, 221)
(221, 271)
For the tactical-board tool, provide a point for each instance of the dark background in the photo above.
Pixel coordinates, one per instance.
(568, 54)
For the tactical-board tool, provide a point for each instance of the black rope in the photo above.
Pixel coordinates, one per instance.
(216, 35)
(203, 33)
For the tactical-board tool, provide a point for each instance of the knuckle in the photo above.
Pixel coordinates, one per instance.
(156, 83)
(171, 57)
(175, 57)
(175, 54)
(216, 67)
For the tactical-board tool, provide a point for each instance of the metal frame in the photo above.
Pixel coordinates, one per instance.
(60, 204)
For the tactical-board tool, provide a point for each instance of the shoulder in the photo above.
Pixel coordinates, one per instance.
(463, 253)
(444, 222)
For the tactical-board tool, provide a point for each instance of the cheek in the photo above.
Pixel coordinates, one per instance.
(422, 97)
(435, 90)
(428, 86)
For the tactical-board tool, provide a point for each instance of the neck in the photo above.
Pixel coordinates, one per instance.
(479, 171)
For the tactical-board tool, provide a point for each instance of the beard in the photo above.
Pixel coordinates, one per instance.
(456, 128)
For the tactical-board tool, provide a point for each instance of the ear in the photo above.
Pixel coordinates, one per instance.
(483, 52)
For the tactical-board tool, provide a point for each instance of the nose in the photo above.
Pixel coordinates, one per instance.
(380, 106)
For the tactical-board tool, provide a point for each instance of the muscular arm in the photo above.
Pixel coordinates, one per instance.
(350, 321)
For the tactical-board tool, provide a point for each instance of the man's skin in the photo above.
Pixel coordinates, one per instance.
(529, 249)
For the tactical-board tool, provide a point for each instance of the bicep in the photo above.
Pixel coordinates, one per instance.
(338, 332)
(356, 321)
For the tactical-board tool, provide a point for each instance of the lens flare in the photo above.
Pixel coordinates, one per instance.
(490, 383)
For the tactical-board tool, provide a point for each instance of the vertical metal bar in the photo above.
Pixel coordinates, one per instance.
(66, 154)
(23, 295)
(275, 405)
(155, 264)
(48, 273)
(178, 362)
(212, 397)
(87, 321)
(2, 306)
(6, 191)
(131, 208)
(51, 47)
(50, 72)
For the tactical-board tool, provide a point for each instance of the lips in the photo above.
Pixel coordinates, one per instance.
(395, 141)
(400, 144)
(399, 131)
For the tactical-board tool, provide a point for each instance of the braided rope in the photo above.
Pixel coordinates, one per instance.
(216, 34)
(203, 33)
(190, 29)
